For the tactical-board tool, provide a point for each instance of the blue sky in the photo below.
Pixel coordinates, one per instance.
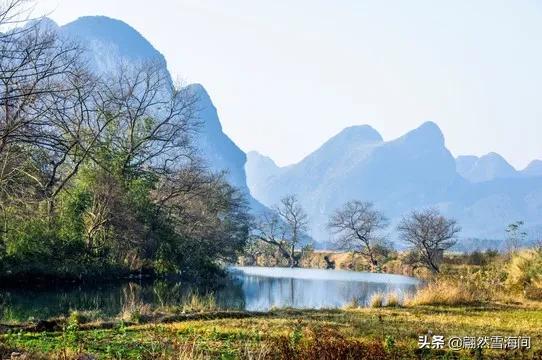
(287, 75)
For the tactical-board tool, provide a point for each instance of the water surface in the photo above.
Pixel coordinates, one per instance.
(266, 288)
(245, 288)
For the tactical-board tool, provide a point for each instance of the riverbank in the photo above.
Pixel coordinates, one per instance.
(383, 333)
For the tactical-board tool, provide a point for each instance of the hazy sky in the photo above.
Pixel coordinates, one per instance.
(287, 75)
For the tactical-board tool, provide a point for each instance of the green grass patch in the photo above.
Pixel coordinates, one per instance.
(383, 332)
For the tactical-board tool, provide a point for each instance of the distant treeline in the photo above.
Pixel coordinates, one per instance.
(98, 175)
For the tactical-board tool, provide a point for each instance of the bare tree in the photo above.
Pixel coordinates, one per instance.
(285, 228)
(155, 120)
(269, 228)
(41, 79)
(14, 12)
(430, 234)
(357, 227)
(515, 236)
(34, 63)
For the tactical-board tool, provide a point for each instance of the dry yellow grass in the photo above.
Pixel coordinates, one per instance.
(443, 292)
(525, 270)
(392, 299)
(376, 300)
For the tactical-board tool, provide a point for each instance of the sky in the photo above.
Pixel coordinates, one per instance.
(285, 76)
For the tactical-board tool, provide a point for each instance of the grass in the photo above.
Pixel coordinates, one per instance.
(392, 300)
(139, 312)
(376, 300)
(444, 292)
(199, 303)
(378, 333)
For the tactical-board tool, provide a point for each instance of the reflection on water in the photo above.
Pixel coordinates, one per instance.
(107, 300)
(253, 289)
(265, 288)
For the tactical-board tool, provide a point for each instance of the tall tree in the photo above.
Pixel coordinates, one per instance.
(285, 227)
(155, 120)
(357, 227)
(430, 234)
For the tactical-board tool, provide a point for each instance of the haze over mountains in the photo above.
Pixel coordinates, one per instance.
(493, 166)
(533, 169)
(411, 172)
(414, 171)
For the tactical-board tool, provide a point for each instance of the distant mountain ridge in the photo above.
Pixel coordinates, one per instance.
(533, 169)
(413, 171)
(493, 166)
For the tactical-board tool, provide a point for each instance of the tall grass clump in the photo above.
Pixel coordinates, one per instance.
(376, 300)
(188, 350)
(525, 274)
(444, 292)
(135, 311)
(392, 299)
(353, 304)
(195, 302)
(85, 316)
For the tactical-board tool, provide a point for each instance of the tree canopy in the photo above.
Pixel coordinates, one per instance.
(100, 173)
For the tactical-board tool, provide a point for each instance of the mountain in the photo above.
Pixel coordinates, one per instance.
(414, 170)
(485, 168)
(259, 168)
(533, 169)
(411, 172)
(464, 164)
(110, 42)
(219, 151)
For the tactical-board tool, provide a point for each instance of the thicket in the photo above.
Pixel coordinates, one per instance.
(99, 174)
